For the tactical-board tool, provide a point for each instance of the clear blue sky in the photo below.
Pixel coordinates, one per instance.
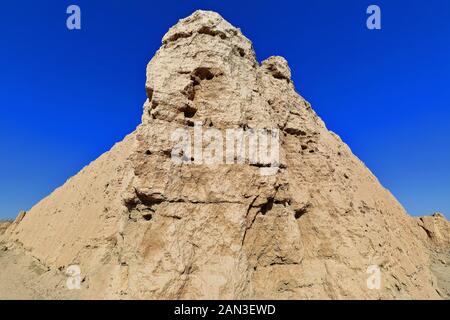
(67, 96)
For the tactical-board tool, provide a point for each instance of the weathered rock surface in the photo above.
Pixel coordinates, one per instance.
(141, 226)
(3, 226)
